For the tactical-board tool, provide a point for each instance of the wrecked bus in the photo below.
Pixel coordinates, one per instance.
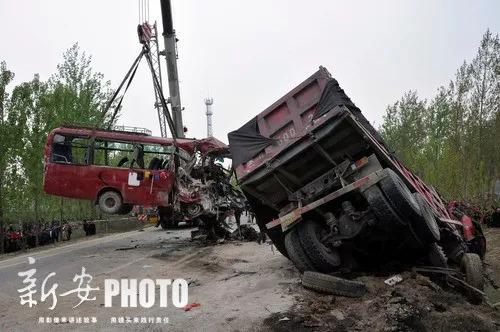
(119, 169)
(331, 194)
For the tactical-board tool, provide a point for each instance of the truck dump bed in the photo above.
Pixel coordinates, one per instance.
(302, 136)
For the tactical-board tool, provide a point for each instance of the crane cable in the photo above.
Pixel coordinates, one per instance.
(130, 73)
(143, 11)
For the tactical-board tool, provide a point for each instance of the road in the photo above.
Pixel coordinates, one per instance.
(238, 284)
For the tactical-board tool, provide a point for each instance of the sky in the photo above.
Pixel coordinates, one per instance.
(247, 54)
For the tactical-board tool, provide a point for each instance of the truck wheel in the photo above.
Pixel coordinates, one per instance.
(383, 210)
(322, 258)
(436, 256)
(296, 253)
(426, 226)
(473, 269)
(332, 285)
(400, 197)
(110, 202)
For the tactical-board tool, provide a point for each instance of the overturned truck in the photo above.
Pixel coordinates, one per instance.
(331, 194)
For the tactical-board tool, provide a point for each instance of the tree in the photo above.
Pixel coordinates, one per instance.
(454, 141)
(75, 94)
(6, 76)
(404, 129)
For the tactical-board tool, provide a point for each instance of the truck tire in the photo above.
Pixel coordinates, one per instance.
(426, 227)
(400, 196)
(322, 258)
(296, 253)
(332, 285)
(383, 210)
(472, 266)
(110, 202)
(437, 256)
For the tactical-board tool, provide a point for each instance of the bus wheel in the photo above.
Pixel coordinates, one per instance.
(126, 209)
(110, 202)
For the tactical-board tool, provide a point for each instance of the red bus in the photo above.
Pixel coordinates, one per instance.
(117, 169)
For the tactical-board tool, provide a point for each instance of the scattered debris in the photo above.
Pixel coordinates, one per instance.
(337, 314)
(127, 248)
(426, 281)
(238, 274)
(245, 232)
(394, 280)
(190, 306)
(145, 267)
(193, 282)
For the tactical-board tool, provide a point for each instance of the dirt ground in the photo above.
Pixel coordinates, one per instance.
(415, 304)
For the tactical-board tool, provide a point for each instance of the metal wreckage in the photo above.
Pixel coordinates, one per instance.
(322, 182)
(203, 189)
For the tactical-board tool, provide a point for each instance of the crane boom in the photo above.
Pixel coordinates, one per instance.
(171, 57)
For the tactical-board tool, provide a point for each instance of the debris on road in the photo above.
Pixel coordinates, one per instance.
(190, 306)
(393, 280)
(127, 248)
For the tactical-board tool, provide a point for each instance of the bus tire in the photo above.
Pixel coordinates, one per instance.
(296, 253)
(328, 284)
(322, 258)
(400, 197)
(110, 202)
(126, 209)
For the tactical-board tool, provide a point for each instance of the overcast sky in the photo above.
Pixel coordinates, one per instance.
(247, 54)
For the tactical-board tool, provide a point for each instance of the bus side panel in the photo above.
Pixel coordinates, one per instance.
(73, 181)
(86, 181)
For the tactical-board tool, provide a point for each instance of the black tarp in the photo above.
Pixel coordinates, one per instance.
(247, 142)
(333, 95)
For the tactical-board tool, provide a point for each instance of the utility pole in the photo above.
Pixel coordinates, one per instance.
(171, 57)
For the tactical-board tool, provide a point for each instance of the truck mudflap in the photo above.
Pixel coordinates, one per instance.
(291, 219)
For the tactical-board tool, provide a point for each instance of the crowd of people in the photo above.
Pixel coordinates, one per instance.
(30, 234)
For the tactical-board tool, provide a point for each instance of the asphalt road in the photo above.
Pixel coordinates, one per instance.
(154, 254)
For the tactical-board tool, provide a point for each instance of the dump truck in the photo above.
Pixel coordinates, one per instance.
(331, 194)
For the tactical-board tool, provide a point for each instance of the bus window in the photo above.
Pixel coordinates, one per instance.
(69, 149)
(112, 153)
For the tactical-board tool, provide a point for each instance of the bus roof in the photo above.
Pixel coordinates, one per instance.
(205, 145)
